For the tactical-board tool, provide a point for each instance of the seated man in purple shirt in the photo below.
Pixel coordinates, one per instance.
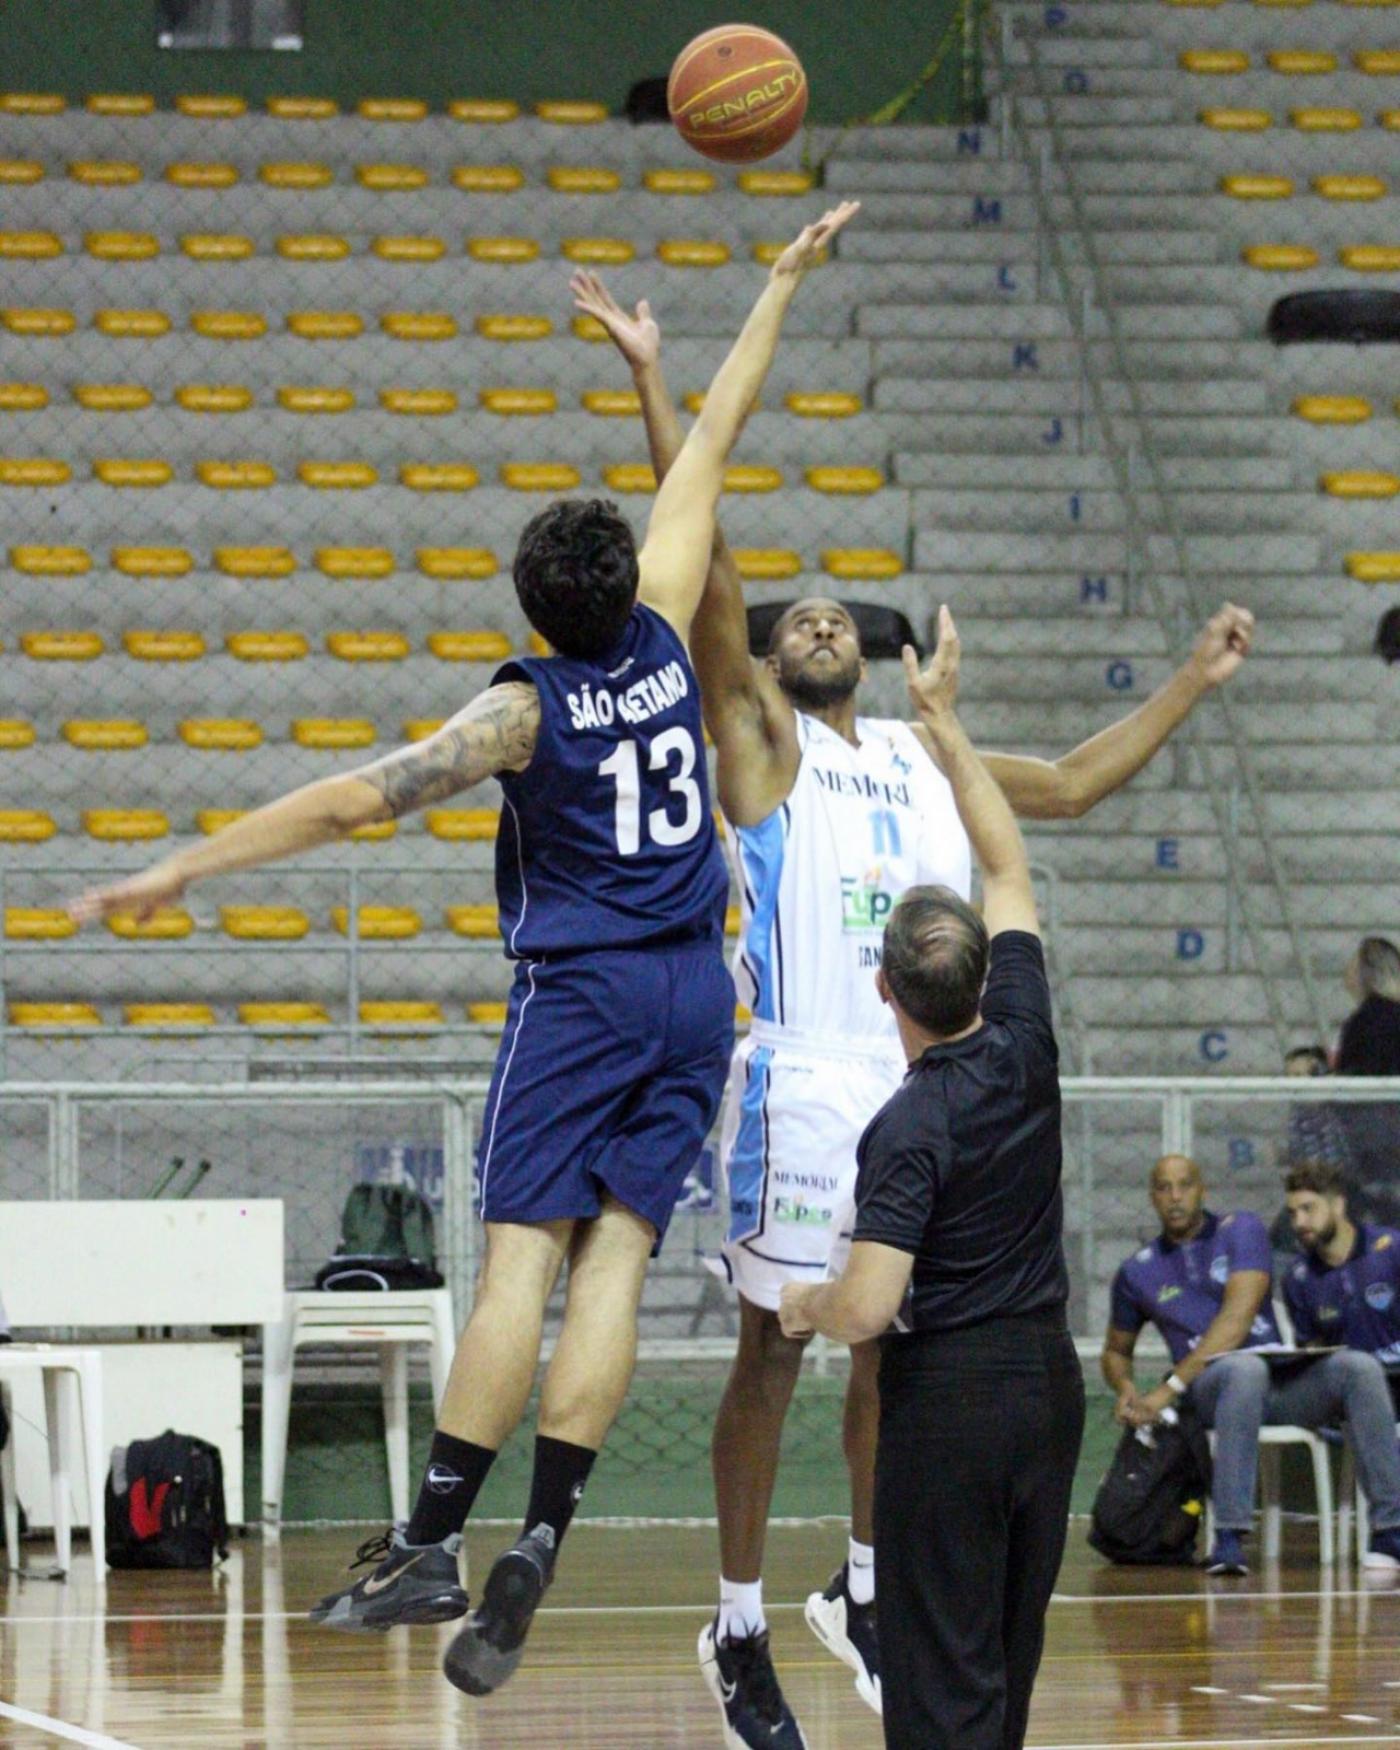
(1205, 1285)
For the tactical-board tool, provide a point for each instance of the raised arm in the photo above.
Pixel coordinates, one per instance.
(1008, 900)
(750, 719)
(1069, 786)
(495, 733)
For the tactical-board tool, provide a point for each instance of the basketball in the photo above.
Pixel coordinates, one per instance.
(737, 93)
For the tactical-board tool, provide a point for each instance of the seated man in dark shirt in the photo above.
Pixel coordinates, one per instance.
(958, 1243)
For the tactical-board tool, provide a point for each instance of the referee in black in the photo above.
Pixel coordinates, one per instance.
(958, 1264)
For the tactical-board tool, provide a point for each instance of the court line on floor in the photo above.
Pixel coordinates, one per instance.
(1234, 1743)
(61, 1729)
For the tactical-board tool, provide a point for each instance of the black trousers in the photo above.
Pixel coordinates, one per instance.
(979, 1436)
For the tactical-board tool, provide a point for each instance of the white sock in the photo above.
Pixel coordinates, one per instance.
(740, 1609)
(860, 1573)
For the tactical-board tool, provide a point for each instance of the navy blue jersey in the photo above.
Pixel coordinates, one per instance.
(607, 838)
(1180, 1289)
(1356, 1302)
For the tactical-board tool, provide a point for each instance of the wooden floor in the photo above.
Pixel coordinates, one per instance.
(201, 1662)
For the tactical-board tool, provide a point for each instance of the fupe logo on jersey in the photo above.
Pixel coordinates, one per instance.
(865, 905)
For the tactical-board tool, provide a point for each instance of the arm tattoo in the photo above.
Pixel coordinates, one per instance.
(495, 733)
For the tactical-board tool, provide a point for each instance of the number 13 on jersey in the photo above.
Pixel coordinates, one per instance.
(624, 768)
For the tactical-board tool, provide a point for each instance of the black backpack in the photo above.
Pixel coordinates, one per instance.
(1152, 1499)
(386, 1242)
(165, 1504)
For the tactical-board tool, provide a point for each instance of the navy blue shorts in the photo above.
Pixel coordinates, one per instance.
(609, 1077)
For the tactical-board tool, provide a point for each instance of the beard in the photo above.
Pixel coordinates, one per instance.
(1322, 1238)
(818, 687)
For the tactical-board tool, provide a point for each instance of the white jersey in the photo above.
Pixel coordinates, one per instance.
(819, 878)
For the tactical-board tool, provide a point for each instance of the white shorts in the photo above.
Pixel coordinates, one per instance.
(793, 1115)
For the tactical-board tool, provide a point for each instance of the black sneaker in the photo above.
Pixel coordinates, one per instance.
(1227, 1557)
(412, 1583)
(848, 1629)
(485, 1653)
(741, 1678)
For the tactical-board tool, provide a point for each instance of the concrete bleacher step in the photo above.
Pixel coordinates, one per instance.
(1055, 510)
(956, 549)
(891, 320)
(1061, 359)
(1212, 1049)
(1084, 473)
(1121, 245)
(1219, 395)
(1033, 594)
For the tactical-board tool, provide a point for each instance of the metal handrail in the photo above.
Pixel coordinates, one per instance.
(1174, 618)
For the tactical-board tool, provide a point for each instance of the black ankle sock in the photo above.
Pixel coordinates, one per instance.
(561, 1470)
(453, 1478)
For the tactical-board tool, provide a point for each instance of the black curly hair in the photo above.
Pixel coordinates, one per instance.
(576, 575)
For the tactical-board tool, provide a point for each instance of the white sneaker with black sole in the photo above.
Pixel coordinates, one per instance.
(848, 1629)
(739, 1674)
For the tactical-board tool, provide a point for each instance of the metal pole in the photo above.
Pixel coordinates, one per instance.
(352, 949)
(457, 1200)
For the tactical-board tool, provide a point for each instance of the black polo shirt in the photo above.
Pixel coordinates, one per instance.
(962, 1166)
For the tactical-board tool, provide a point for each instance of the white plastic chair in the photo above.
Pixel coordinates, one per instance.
(1272, 1438)
(389, 1322)
(72, 1380)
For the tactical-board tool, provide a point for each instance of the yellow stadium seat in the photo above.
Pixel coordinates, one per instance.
(456, 562)
(488, 178)
(212, 820)
(1214, 61)
(418, 403)
(25, 826)
(518, 401)
(845, 480)
(15, 733)
(217, 246)
(315, 400)
(379, 923)
(1350, 188)
(438, 476)
(692, 252)
(325, 324)
(679, 181)
(229, 324)
(469, 646)
(354, 561)
(62, 646)
(168, 924)
(458, 825)
(492, 1014)
(125, 103)
(56, 1015)
(17, 172)
(768, 253)
(391, 178)
(375, 832)
(367, 646)
(1389, 118)
(1360, 483)
(125, 825)
(51, 561)
(333, 732)
(539, 476)
(214, 397)
(733, 918)
(23, 397)
(38, 324)
(1321, 120)
(164, 646)
(745, 477)
(105, 735)
(283, 1015)
(572, 114)
(32, 103)
(1385, 62)
(142, 473)
(1302, 61)
(104, 172)
(152, 561)
(267, 646)
(198, 175)
(419, 324)
(772, 183)
(503, 249)
(236, 476)
(1333, 409)
(1364, 567)
(420, 728)
(32, 923)
(583, 179)
(490, 110)
(303, 109)
(313, 246)
(1237, 121)
(221, 734)
(212, 106)
(514, 327)
(296, 173)
(474, 921)
(29, 245)
(539, 646)
(121, 245)
(630, 477)
(176, 1015)
(412, 249)
(132, 324)
(1371, 258)
(392, 109)
(863, 562)
(33, 471)
(400, 1014)
(264, 923)
(255, 561)
(112, 397)
(1257, 188)
(829, 405)
(598, 251)
(613, 403)
(766, 562)
(337, 476)
(1280, 257)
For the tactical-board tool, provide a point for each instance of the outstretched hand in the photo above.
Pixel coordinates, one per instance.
(141, 895)
(933, 691)
(805, 249)
(1223, 645)
(636, 337)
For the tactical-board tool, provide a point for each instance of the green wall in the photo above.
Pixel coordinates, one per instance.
(858, 55)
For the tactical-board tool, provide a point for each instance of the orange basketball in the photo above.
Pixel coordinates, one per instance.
(737, 93)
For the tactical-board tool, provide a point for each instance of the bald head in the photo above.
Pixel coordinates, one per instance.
(1178, 1195)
